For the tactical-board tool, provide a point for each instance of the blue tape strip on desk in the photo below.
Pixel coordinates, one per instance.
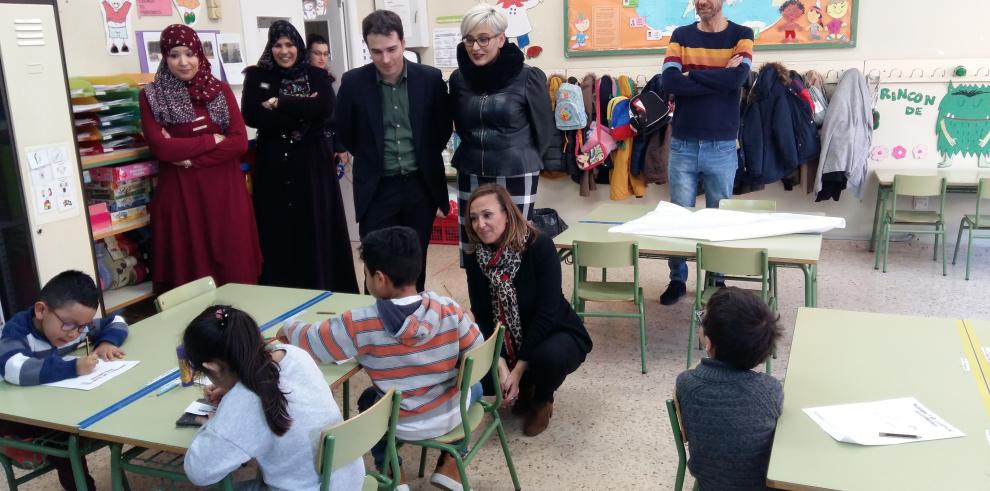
(600, 222)
(147, 389)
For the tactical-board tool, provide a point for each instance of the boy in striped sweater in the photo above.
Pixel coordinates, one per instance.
(35, 342)
(408, 340)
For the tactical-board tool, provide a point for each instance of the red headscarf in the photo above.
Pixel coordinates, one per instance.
(172, 99)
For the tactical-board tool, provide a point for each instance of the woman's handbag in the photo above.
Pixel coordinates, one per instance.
(548, 222)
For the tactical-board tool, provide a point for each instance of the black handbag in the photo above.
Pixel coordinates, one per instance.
(548, 222)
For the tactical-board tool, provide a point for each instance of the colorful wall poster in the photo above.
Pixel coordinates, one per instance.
(614, 27)
(117, 25)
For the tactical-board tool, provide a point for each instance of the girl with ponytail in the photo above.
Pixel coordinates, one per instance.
(272, 405)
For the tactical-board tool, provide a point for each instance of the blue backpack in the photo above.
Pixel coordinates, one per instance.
(569, 113)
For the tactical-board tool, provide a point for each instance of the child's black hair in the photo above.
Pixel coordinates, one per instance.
(71, 287)
(227, 334)
(395, 251)
(741, 327)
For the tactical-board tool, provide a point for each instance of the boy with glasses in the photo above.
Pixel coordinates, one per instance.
(35, 342)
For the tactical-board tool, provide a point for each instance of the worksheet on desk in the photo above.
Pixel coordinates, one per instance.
(104, 371)
(887, 422)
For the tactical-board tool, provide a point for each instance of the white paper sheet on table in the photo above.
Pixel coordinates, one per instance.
(104, 371)
(200, 409)
(715, 225)
(862, 423)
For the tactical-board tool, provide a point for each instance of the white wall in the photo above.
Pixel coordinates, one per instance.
(904, 30)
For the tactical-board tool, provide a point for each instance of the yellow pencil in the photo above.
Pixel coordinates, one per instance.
(87, 345)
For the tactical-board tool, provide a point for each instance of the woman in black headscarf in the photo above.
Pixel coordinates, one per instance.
(301, 221)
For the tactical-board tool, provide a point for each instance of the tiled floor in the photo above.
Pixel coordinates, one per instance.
(609, 429)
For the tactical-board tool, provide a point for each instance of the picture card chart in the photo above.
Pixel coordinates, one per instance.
(53, 182)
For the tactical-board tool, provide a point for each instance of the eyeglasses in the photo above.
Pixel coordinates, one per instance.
(324, 54)
(68, 326)
(482, 41)
(700, 314)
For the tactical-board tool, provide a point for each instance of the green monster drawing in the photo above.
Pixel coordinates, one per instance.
(963, 124)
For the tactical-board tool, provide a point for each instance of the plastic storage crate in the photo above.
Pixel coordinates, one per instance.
(445, 230)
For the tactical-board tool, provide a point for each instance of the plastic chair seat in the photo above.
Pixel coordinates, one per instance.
(984, 220)
(474, 417)
(370, 484)
(916, 217)
(597, 291)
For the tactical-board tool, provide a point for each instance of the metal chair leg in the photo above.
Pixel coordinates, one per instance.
(955, 254)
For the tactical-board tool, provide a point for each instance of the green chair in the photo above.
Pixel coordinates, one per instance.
(972, 223)
(748, 204)
(185, 292)
(680, 438)
(50, 444)
(161, 465)
(607, 255)
(474, 365)
(738, 264)
(895, 220)
(349, 440)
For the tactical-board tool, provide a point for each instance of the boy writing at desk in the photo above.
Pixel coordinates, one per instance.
(407, 340)
(34, 341)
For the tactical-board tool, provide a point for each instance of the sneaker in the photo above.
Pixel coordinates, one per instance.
(446, 476)
(675, 290)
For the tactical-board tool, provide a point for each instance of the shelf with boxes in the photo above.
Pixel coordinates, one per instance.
(118, 181)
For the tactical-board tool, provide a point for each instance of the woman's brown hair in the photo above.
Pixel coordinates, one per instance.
(517, 228)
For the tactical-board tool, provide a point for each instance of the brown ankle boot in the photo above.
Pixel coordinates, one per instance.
(538, 419)
(525, 401)
(446, 476)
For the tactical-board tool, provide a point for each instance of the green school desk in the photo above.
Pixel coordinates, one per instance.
(794, 250)
(957, 181)
(152, 342)
(840, 357)
(150, 421)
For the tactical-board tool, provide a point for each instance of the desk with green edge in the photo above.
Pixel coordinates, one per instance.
(956, 181)
(150, 421)
(840, 357)
(151, 342)
(794, 250)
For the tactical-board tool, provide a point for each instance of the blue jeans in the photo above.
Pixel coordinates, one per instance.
(714, 161)
(372, 394)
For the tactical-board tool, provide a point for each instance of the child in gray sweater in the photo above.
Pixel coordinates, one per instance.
(730, 412)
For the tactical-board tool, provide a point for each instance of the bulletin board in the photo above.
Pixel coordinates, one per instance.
(621, 27)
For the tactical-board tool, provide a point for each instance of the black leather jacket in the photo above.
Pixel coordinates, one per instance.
(504, 131)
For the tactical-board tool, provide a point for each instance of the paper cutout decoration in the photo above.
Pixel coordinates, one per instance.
(899, 152)
(963, 124)
(117, 25)
(189, 10)
(519, 26)
(920, 152)
(159, 8)
(878, 153)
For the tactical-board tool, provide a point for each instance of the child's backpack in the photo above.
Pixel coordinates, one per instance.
(569, 113)
(599, 144)
(618, 116)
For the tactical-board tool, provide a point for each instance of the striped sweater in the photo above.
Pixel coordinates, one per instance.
(708, 97)
(412, 345)
(27, 358)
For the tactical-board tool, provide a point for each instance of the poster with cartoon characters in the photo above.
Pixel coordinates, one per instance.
(933, 125)
(117, 25)
(618, 27)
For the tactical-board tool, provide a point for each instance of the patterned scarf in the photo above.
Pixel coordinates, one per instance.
(294, 79)
(500, 267)
(171, 99)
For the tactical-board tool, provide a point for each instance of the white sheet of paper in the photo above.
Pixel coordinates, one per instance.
(445, 41)
(713, 224)
(232, 57)
(862, 423)
(200, 409)
(104, 371)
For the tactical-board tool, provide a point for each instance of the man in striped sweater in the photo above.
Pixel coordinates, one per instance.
(407, 340)
(34, 345)
(706, 65)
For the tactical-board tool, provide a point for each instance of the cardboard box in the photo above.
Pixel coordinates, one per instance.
(99, 217)
(120, 204)
(107, 190)
(128, 215)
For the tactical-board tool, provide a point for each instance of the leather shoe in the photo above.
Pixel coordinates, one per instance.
(539, 418)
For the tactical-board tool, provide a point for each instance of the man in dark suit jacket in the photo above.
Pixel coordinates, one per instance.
(393, 116)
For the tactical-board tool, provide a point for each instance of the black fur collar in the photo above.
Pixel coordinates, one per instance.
(495, 75)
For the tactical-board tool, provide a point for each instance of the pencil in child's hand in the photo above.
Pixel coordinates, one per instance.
(87, 345)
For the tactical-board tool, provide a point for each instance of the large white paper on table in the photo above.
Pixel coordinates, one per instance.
(104, 371)
(713, 224)
(863, 423)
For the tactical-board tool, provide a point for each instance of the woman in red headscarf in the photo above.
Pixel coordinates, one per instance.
(202, 220)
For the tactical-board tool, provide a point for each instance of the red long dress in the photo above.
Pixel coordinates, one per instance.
(202, 219)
